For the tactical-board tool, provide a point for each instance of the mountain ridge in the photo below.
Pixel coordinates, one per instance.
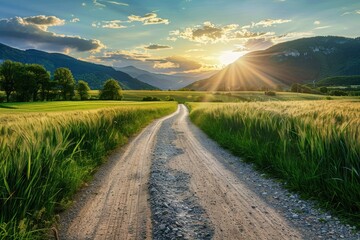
(162, 81)
(299, 61)
(94, 74)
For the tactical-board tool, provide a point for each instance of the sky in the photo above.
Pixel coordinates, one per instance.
(170, 36)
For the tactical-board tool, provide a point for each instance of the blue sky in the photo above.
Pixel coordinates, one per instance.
(170, 36)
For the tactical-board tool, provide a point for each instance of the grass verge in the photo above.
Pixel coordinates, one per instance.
(45, 159)
(314, 146)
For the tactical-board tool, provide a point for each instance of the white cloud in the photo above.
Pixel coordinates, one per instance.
(322, 27)
(291, 36)
(195, 50)
(271, 22)
(74, 20)
(97, 4)
(352, 12)
(317, 22)
(113, 24)
(148, 19)
(165, 65)
(118, 3)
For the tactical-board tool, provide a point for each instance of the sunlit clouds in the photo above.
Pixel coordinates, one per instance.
(33, 32)
(156, 47)
(209, 32)
(148, 19)
(165, 36)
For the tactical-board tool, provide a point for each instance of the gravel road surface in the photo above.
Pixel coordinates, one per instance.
(173, 182)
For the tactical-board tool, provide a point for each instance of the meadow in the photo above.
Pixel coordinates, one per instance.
(49, 150)
(202, 96)
(312, 146)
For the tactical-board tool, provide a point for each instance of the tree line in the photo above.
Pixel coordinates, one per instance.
(32, 82)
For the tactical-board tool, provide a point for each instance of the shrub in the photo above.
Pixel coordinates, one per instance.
(270, 93)
(151, 99)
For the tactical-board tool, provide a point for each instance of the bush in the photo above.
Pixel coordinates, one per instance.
(151, 99)
(338, 93)
(270, 93)
(168, 98)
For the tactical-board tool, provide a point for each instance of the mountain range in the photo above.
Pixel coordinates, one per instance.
(302, 61)
(165, 81)
(94, 74)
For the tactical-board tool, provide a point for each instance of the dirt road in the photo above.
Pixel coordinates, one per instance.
(172, 182)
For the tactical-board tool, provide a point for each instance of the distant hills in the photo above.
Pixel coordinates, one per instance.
(94, 74)
(340, 81)
(302, 61)
(164, 81)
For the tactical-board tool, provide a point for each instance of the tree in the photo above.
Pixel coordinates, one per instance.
(323, 89)
(25, 85)
(66, 81)
(295, 87)
(10, 72)
(83, 90)
(42, 78)
(111, 90)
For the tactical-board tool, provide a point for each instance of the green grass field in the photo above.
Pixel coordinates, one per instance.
(61, 106)
(314, 146)
(48, 150)
(241, 96)
(201, 96)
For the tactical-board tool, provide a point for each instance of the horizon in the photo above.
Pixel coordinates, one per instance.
(169, 38)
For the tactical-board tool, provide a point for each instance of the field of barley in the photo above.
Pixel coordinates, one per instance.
(313, 146)
(48, 151)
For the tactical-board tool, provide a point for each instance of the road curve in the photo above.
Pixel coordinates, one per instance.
(117, 204)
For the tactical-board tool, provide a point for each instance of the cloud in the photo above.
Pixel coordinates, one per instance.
(271, 22)
(195, 50)
(42, 21)
(243, 33)
(125, 55)
(317, 22)
(118, 3)
(165, 65)
(97, 4)
(211, 33)
(291, 36)
(156, 47)
(74, 20)
(146, 60)
(322, 27)
(353, 12)
(206, 33)
(113, 24)
(148, 19)
(32, 32)
(177, 63)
